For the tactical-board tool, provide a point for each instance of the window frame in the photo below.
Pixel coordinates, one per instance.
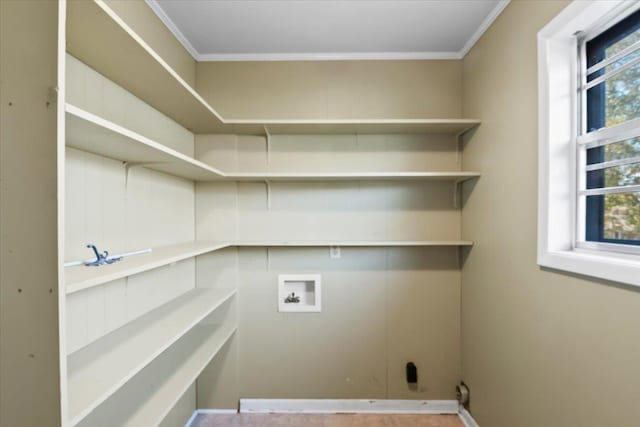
(590, 215)
(559, 123)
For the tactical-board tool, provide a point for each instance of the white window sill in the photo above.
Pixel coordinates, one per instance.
(603, 265)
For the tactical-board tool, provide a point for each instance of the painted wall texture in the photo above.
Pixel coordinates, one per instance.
(539, 347)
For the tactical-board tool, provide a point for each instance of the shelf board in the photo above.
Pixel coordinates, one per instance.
(195, 352)
(98, 37)
(81, 277)
(362, 243)
(354, 126)
(98, 370)
(355, 176)
(91, 133)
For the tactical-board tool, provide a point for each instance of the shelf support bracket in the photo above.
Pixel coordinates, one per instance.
(268, 258)
(456, 193)
(268, 185)
(268, 135)
(130, 165)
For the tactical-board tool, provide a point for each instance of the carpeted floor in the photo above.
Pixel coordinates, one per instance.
(333, 420)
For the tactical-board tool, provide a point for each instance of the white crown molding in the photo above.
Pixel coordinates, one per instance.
(346, 56)
(493, 15)
(159, 11)
(350, 56)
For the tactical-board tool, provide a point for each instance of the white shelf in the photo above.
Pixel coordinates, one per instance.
(88, 132)
(81, 277)
(354, 126)
(193, 353)
(98, 370)
(362, 243)
(91, 133)
(100, 39)
(356, 176)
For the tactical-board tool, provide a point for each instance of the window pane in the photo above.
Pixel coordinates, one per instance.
(614, 176)
(619, 98)
(614, 218)
(621, 217)
(622, 44)
(616, 151)
(614, 40)
(615, 48)
(620, 150)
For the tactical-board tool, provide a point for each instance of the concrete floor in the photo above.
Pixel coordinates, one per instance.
(333, 420)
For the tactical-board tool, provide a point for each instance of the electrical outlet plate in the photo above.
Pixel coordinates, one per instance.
(299, 293)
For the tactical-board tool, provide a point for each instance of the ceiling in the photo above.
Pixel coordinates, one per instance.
(236, 30)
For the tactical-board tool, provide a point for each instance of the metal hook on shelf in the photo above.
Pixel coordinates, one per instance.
(101, 258)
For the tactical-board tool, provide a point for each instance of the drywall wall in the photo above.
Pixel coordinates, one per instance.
(540, 348)
(29, 299)
(382, 307)
(139, 16)
(332, 89)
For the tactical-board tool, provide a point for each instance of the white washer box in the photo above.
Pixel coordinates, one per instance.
(299, 293)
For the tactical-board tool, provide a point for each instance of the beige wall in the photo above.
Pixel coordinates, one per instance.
(332, 89)
(540, 348)
(382, 334)
(29, 298)
(381, 307)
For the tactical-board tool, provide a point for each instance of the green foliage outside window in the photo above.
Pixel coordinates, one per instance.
(622, 103)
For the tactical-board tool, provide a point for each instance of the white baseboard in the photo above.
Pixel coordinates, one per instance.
(353, 406)
(466, 418)
(209, 411)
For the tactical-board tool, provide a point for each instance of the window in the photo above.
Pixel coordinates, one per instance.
(609, 144)
(589, 141)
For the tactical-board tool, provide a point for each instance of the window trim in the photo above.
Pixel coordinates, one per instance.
(558, 98)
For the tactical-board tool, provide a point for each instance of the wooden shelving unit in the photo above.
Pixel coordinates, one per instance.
(172, 373)
(138, 372)
(355, 126)
(81, 277)
(88, 132)
(98, 370)
(195, 353)
(377, 243)
(100, 39)
(355, 176)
